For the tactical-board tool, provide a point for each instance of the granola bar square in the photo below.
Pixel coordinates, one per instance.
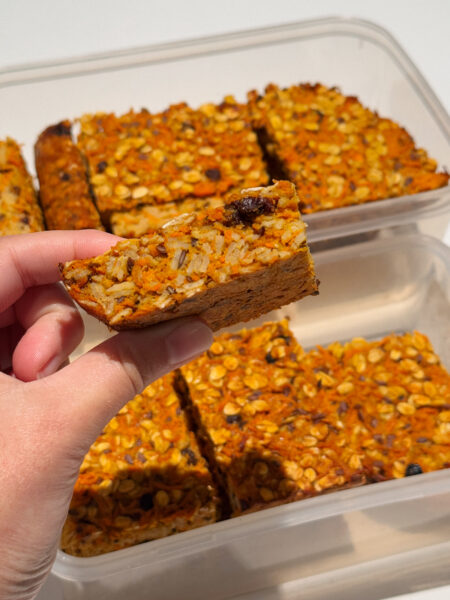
(337, 151)
(144, 478)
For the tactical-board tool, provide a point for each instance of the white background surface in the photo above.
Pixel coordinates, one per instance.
(33, 31)
(50, 29)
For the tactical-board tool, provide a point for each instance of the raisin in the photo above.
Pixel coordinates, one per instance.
(413, 469)
(230, 419)
(213, 174)
(146, 502)
(247, 209)
(192, 459)
(270, 359)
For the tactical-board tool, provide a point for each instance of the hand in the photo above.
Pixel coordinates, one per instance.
(49, 416)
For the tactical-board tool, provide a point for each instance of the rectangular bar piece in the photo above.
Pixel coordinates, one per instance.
(278, 424)
(19, 208)
(64, 190)
(143, 158)
(264, 443)
(146, 218)
(336, 151)
(143, 479)
(228, 264)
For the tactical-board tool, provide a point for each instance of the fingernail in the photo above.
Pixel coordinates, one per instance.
(50, 368)
(187, 341)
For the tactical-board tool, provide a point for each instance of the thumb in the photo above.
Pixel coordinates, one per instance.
(89, 392)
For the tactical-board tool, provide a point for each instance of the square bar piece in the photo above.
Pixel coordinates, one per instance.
(263, 442)
(64, 190)
(143, 158)
(336, 151)
(228, 264)
(146, 218)
(278, 424)
(392, 397)
(19, 208)
(143, 479)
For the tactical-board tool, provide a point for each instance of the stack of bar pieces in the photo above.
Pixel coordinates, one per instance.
(143, 478)
(336, 151)
(255, 422)
(19, 208)
(279, 425)
(137, 170)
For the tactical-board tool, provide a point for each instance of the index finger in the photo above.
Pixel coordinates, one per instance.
(32, 259)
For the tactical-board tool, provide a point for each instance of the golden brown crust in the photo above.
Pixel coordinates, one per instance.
(143, 158)
(64, 190)
(142, 479)
(226, 264)
(19, 208)
(276, 425)
(279, 425)
(336, 151)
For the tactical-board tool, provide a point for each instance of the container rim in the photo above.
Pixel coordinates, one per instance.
(366, 247)
(353, 219)
(84, 569)
(189, 48)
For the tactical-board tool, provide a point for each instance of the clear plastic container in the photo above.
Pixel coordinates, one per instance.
(359, 57)
(391, 283)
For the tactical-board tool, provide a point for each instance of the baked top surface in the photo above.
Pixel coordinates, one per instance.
(335, 150)
(182, 152)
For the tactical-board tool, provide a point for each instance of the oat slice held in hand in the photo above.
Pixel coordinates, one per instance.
(226, 264)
